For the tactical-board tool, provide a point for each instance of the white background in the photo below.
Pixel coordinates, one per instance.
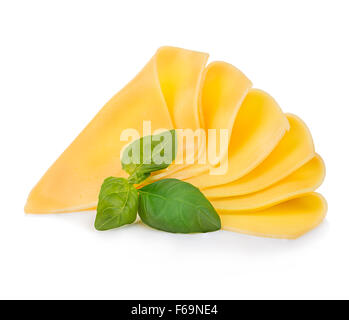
(60, 61)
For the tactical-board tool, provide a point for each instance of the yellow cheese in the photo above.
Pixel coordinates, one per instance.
(224, 88)
(168, 85)
(288, 220)
(267, 189)
(294, 150)
(258, 128)
(304, 180)
(180, 77)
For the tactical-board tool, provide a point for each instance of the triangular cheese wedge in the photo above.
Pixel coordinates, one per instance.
(288, 220)
(267, 189)
(164, 92)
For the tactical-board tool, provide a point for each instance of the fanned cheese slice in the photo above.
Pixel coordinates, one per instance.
(167, 86)
(294, 150)
(288, 220)
(224, 88)
(267, 189)
(180, 77)
(180, 74)
(304, 180)
(258, 128)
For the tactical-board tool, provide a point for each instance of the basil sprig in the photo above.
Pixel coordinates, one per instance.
(175, 206)
(117, 205)
(170, 205)
(149, 154)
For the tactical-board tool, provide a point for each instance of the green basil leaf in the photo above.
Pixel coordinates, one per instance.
(117, 204)
(176, 206)
(149, 154)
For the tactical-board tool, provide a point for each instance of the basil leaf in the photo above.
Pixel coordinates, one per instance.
(176, 206)
(117, 204)
(149, 154)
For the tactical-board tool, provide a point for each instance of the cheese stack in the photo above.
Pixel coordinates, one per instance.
(273, 169)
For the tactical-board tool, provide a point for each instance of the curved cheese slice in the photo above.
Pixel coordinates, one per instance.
(223, 90)
(167, 86)
(288, 220)
(304, 180)
(258, 128)
(180, 76)
(294, 150)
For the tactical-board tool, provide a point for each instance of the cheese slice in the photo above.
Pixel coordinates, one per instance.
(288, 220)
(304, 180)
(294, 150)
(164, 92)
(258, 128)
(223, 90)
(180, 77)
